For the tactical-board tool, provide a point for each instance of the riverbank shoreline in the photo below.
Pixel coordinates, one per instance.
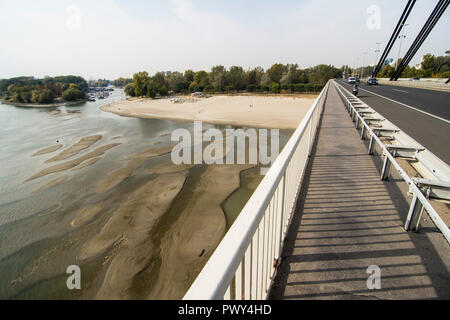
(280, 112)
(50, 105)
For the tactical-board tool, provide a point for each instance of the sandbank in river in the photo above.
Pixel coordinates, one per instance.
(279, 112)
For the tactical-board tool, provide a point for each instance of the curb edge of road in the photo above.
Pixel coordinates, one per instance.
(405, 105)
(408, 106)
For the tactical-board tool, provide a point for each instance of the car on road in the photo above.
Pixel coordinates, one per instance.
(352, 80)
(372, 81)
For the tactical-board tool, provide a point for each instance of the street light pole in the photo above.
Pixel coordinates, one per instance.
(377, 52)
(362, 68)
(355, 69)
(400, 46)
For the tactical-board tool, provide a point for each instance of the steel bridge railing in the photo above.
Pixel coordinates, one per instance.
(244, 264)
(359, 112)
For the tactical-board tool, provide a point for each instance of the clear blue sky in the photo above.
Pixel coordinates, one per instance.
(112, 38)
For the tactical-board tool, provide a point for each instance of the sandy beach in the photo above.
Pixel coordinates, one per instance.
(281, 112)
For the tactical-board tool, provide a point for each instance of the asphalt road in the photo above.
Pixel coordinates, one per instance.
(429, 124)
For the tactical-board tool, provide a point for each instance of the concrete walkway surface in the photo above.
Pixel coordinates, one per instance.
(347, 220)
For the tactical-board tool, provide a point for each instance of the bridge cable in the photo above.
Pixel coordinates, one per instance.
(394, 36)
(431, 22)
(423, 35)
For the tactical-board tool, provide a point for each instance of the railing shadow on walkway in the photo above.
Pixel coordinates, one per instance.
(324, 253)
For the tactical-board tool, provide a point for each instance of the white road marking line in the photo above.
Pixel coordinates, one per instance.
(401, 91)
(405, 105)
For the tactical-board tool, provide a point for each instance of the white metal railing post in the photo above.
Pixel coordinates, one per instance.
(239, 283)
(414, 215)
(251, 249)
(254, 291)
(371, 145)
(248, 274)
(386, 169)
(281, 227)
(310, 134)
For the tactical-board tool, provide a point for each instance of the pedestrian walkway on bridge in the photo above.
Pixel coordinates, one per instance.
(348, 220)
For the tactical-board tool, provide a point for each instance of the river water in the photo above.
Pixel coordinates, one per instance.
(63, 218)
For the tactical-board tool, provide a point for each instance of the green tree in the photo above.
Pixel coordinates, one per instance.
(253, 77)
(188, 78)
(26, 96)
(406, 72)
(265, 81)
(229, 89)
(218, 78)
(291, 76)
(152, 89)
(322, 73)
(35, 96)
(445, 75)
(129, 90)
(163, 91)
(16, 97)
(412, 73)
(201, 81)
(252, 88)
(122, 82)
(387, 71)
(140, 82)
(29, 89)
(73, 94)
(441, 65)
(276, 72)
(67, 80)
(175, 81)
(159, 80)
(235, 78)
(428, 66)
(275, 87)
(421, 73)
(46, 96)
